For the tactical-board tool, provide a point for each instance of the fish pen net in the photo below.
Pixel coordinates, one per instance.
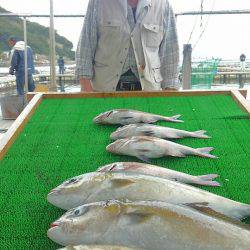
(203, 73)
(60, 141)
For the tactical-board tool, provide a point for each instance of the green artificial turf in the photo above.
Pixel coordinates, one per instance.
(60, 141)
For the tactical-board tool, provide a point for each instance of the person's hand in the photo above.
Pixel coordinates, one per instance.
(11, 71)
(85, 85)
(170, 89)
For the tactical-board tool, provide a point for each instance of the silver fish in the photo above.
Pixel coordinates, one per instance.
(99, 186)
(148, 225)
(155, 131)
(145, 148)
(126, 116)
(98, 247)
(142, 168)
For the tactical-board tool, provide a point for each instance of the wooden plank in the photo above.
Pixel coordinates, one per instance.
(134, 94)
(18, 125)
(242, 102)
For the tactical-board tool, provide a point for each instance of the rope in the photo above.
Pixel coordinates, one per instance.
(206, 25)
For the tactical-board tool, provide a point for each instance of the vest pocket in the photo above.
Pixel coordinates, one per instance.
(157, 75)
(153, 35)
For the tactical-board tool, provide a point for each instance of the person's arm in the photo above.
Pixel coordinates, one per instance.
(87, 47)
(169, 53)
(13, 63)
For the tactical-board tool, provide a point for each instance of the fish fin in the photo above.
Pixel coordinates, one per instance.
(239, 212)
(205, 152)
(204, 208)
(138, 218)
(242, 212)
(174, 118)
(207, 180)
(201, 134)
(119, 183)
(144, 158)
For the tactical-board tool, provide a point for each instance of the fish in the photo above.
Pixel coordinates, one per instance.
(98, 247)
(150, 225)
(99, 186)
(142, 168)
(127, 116)
(146, 148)
(155, 131)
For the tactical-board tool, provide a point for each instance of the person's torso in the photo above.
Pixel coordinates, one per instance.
(21, 60)
(115, 35)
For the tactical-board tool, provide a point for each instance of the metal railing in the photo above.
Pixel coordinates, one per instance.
(52, 33)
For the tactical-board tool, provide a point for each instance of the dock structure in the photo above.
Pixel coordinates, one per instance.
(61, 80)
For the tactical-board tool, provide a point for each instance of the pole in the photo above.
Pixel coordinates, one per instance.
(52, 49)
(187, 66)
(25, 55)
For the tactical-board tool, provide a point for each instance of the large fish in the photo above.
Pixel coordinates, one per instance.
(149, 225)
(145, 148)
(99, 186)
(141, 168)
(126, 116)
(155, 131)
(98, 247)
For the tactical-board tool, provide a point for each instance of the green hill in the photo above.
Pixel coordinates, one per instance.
(38, 36)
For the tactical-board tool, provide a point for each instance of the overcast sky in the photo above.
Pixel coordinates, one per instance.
(225, 36)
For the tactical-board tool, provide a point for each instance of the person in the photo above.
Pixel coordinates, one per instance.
(243, 62)
(60, 63)
(17, 67)
(128, 45)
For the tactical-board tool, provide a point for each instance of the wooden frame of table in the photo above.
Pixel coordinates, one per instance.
(36, 98)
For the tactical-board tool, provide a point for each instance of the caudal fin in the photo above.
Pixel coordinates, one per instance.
(205, 152)
(174, 118)
(201, 134)
(208, 180)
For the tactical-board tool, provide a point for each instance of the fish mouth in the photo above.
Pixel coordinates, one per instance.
(54, 224)
(96, 120)
(110, 148)
(114, 136)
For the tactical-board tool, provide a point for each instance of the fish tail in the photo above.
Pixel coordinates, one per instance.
(205, 152)
(208, 180)
(174, 118)
(200, 134)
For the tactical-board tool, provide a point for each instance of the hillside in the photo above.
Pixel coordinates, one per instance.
(38, 36)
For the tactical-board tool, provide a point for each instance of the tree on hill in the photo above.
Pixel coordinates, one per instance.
(38, 36)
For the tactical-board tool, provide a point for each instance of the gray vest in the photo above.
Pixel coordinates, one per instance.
(114, 40)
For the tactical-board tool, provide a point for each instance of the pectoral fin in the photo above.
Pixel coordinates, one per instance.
(139, 218)
(119, 183)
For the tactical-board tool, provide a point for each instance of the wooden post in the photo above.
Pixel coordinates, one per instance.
(53, 85)
(25, 55)
(187, 66)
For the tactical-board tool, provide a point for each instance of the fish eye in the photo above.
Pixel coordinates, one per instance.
(81, 211)
(77, 212)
